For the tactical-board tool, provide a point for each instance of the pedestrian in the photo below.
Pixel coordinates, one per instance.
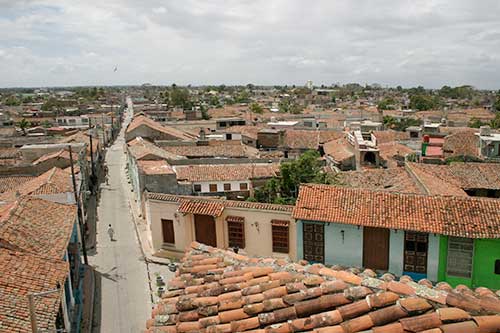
(111, 233)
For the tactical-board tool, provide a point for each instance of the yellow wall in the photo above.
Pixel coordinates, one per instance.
(258, 235)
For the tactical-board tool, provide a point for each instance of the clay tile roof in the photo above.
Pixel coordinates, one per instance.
(226, 172)
(340, 149)
(141, 149)
(469, 217)
(202, 207)
(246, 130)
(225, 203)
(38, 226)
(160, 167)
(390, 150)
(390, 136)
(216, 290)
(463, 175)
(430, 183)
(53, 181)
(58, 154)
(222, 150)
(9, 183)
(461, 143)
(142, 120)
(301, 139)
(23, 274)
(393, 180)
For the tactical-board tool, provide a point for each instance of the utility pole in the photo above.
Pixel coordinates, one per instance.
(79, 208)
(91, 150)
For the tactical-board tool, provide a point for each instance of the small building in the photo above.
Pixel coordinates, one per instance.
(441, 238)
(223, 123)
(254, 228)
(489, 143)
(142, 126)
(40, 234)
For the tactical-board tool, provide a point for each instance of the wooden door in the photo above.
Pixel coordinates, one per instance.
(314, 242)
(167, 228)
(415, 257)
(376, 248)
(204, 226)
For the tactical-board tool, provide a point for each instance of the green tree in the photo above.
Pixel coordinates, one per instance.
(423, 102)
(256, 108)
(495, 123)
(46, 124)
(180, 97)
(12, 100)
(23, 125)
(287, 105)
(386, 103)
(475, 122)
(307, 168)
(496, 105)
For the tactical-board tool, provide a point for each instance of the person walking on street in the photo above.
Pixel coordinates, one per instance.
(111, 233)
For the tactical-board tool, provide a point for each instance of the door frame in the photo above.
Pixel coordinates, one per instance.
(387, 235)
(303, 239)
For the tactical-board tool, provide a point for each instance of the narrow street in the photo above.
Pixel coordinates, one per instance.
(122, 299)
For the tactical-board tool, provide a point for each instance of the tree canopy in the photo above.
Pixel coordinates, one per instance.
(284, 190)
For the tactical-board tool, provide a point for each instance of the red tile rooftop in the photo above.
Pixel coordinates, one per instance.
(470, 217)
(220, 291)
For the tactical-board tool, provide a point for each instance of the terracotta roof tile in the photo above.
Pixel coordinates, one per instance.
(225, 150)
(392, 180)
(285, 303)
(142, 120)
(9, 183)
(141, 149)
(226, 172)
(447, 215)
(225, 203)
(160, 167)
(53, 181)
(23, 274)
(38, 226)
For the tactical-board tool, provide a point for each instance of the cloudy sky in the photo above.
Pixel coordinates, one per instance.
(391, 42)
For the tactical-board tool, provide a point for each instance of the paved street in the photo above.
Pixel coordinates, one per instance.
(123, 298)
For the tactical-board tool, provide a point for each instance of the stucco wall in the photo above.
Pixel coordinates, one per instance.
(396, 249)
(258, 231)
(235, 185)
(347, 251)
(258, 240)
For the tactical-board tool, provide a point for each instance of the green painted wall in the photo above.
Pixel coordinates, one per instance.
(486, 251)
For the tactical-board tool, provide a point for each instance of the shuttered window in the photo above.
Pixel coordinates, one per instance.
(460, 254)
(280, 236)
(236, 231)
(227, 187)
(213, 187)
(415, 255)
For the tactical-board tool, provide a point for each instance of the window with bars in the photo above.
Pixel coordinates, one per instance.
(236, 234)
(197, 187)
(243, 186)
(280, 238)
(227, 187)
(460, 254)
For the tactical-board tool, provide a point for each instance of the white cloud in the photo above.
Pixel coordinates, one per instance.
(419, 42)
